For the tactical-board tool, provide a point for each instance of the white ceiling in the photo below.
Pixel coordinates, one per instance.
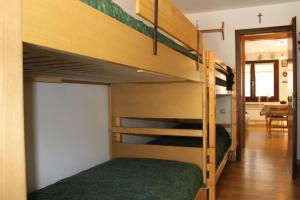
(194, 6)
(265, 46)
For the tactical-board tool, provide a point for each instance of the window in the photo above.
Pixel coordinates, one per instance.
(261, 81)
(248, 80)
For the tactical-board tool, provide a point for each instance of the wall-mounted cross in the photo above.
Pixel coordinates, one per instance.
(259, 17)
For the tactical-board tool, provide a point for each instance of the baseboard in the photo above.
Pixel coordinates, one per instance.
(256, 125)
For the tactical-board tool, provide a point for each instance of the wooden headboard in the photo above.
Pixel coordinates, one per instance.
(157, 101)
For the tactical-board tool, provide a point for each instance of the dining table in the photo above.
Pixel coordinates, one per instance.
(274, 112)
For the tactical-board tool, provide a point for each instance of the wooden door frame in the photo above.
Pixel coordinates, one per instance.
(295, 98)
(240, 77)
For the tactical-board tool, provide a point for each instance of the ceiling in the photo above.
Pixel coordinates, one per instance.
(193, 6)
(264, 46)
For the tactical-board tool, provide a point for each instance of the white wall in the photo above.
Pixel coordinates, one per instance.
(128, 6)
(273, 15)
(66, 127)
(223, 109)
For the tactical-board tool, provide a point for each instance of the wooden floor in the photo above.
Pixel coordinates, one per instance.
(263, 173)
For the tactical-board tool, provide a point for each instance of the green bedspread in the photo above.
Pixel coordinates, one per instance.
(110, 8)
(222, 145)
(128, 179)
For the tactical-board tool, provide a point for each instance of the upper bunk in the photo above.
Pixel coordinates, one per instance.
(95, 40)
(225, 78)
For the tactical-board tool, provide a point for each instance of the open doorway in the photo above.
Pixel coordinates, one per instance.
(266, 78)
(267, 73)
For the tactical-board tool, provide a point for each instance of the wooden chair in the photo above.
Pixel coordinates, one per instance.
(280, 115)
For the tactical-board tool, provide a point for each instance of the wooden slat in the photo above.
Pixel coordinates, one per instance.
(171, 20)
(42, 79)
(182, 154)
(59, 80)
(114, 137)
(74, 27)
(221, 63)
(234, 120)
(212, 124)
(165, 100)
(212, 99)
(158, 131)
(212, 174)
(205, 118)
(43, 62)
(222, 165)
(12, 148)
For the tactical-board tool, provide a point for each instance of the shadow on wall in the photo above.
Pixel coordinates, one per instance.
(30, 136)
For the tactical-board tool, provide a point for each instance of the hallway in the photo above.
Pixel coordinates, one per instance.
(262, 174)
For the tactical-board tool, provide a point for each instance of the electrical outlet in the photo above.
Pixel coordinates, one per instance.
(223, 111)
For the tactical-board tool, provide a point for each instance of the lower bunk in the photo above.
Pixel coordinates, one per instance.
(223, 140)
(130, 179)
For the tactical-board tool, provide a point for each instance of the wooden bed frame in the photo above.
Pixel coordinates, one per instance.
(181, 100)
(68, 40)
(119, 46)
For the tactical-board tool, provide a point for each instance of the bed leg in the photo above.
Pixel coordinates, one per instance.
(114, 137)
(212, 193)
(232, 156)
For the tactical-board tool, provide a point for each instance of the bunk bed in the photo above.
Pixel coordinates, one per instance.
(224, 78)
(202, 142)
(72, 40)
(44, 58)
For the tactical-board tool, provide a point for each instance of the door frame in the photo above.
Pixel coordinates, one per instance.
(293, 166)
(240, 78)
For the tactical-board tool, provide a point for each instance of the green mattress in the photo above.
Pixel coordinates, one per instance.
(128, 179)
(223, 140)
(110, 8)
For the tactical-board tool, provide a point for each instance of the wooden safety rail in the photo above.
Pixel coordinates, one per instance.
(99, 45)
(171, 20)
(157, 131)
